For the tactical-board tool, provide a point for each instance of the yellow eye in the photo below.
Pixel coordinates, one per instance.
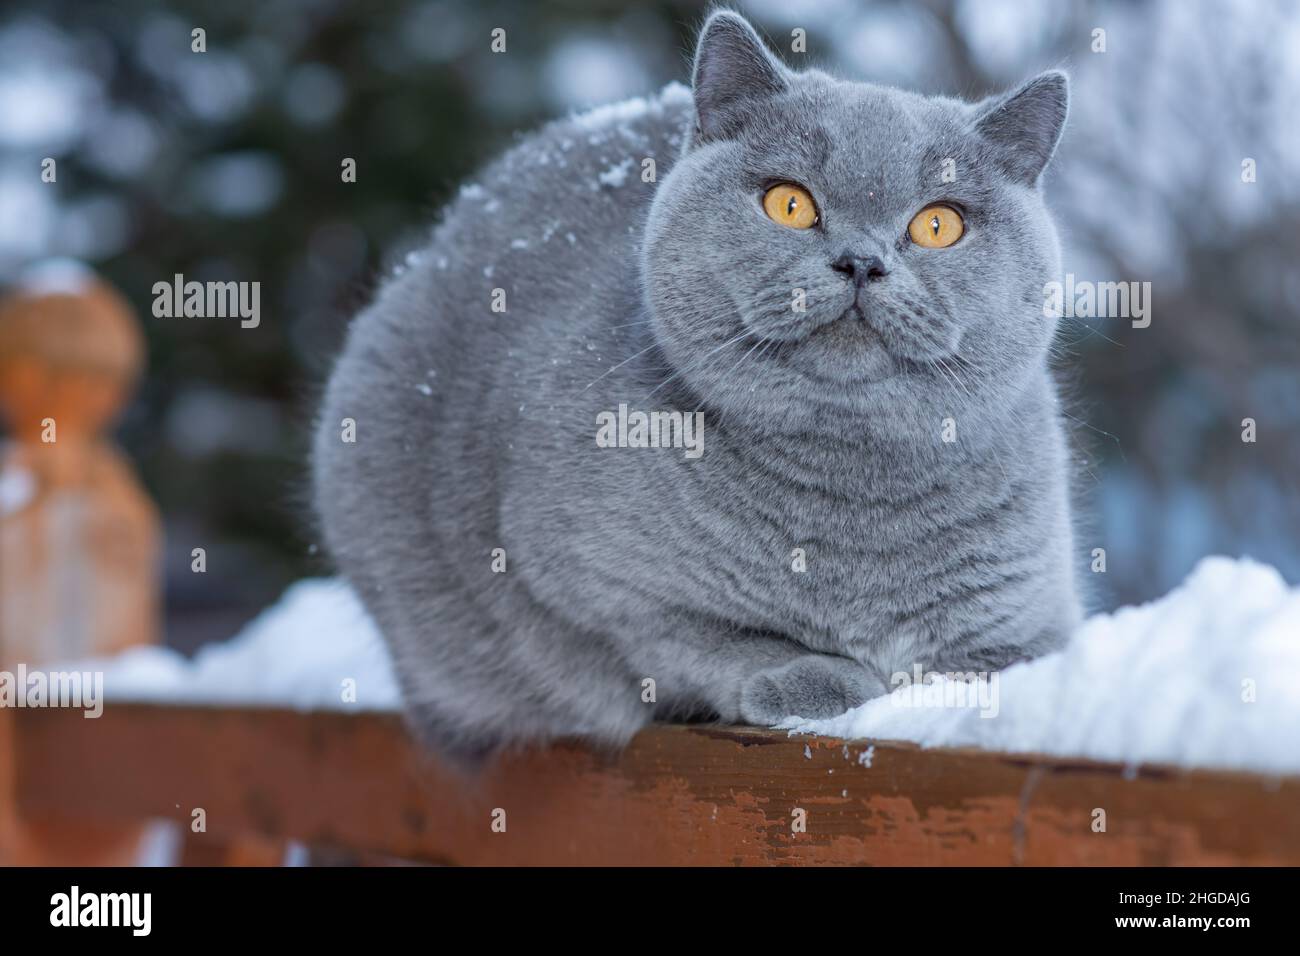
(936, 227)
(790, 205)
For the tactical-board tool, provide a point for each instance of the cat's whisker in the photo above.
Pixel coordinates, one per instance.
(1099, 431)
(615, 368)
(947, 383)
(943, 370)
(939, 363)
(733, 369)
(698, 364)
(627, 325)
(960, 384)
(1092, 330)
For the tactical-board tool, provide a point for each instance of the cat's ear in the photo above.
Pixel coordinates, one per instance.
(733, 71)
(1025, 125)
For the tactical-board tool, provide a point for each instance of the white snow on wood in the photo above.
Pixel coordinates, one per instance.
(1207, 676)
(297, 653)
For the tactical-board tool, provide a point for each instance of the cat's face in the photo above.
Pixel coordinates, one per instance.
(828, 248)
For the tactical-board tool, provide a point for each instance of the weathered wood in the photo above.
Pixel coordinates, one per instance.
(200, 849)
(677, 795)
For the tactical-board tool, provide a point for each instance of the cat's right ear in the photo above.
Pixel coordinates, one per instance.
(733, 71)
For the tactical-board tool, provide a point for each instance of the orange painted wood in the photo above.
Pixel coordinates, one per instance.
(199, 849)
(676, 795)
(79, 539)
(79, 546)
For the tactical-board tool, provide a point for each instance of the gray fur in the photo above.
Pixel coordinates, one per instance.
(476, 430)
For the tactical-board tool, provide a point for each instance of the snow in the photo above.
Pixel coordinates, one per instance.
(1207, 676)
(297, 653)
(627, 110)
(616, 175)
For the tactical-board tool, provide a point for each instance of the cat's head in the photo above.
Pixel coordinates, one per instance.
(828, 248)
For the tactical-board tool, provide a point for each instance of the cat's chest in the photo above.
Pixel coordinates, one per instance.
(813, 561)
(836, 558)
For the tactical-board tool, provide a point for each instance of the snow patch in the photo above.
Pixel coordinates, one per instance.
(616, 175)
(297, 653)
(674, 94)
(1208, 675)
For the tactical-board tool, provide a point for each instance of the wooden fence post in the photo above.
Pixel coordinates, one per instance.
(79, 539)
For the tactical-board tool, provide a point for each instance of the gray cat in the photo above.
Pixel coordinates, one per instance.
(839, 284)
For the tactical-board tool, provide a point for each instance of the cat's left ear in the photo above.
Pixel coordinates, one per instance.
(1024, 126)
(733, 72)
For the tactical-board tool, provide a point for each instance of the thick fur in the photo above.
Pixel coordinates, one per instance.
(475, 429)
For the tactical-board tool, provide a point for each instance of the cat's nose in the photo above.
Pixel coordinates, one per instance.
(860, 268)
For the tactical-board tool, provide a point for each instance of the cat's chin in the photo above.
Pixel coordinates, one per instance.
(847, 350)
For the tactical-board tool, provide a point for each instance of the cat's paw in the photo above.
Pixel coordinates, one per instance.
(812, 687)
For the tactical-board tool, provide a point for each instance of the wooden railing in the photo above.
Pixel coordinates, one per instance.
(677, 795)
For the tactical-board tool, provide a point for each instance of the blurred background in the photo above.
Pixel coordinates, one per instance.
(226, 165)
